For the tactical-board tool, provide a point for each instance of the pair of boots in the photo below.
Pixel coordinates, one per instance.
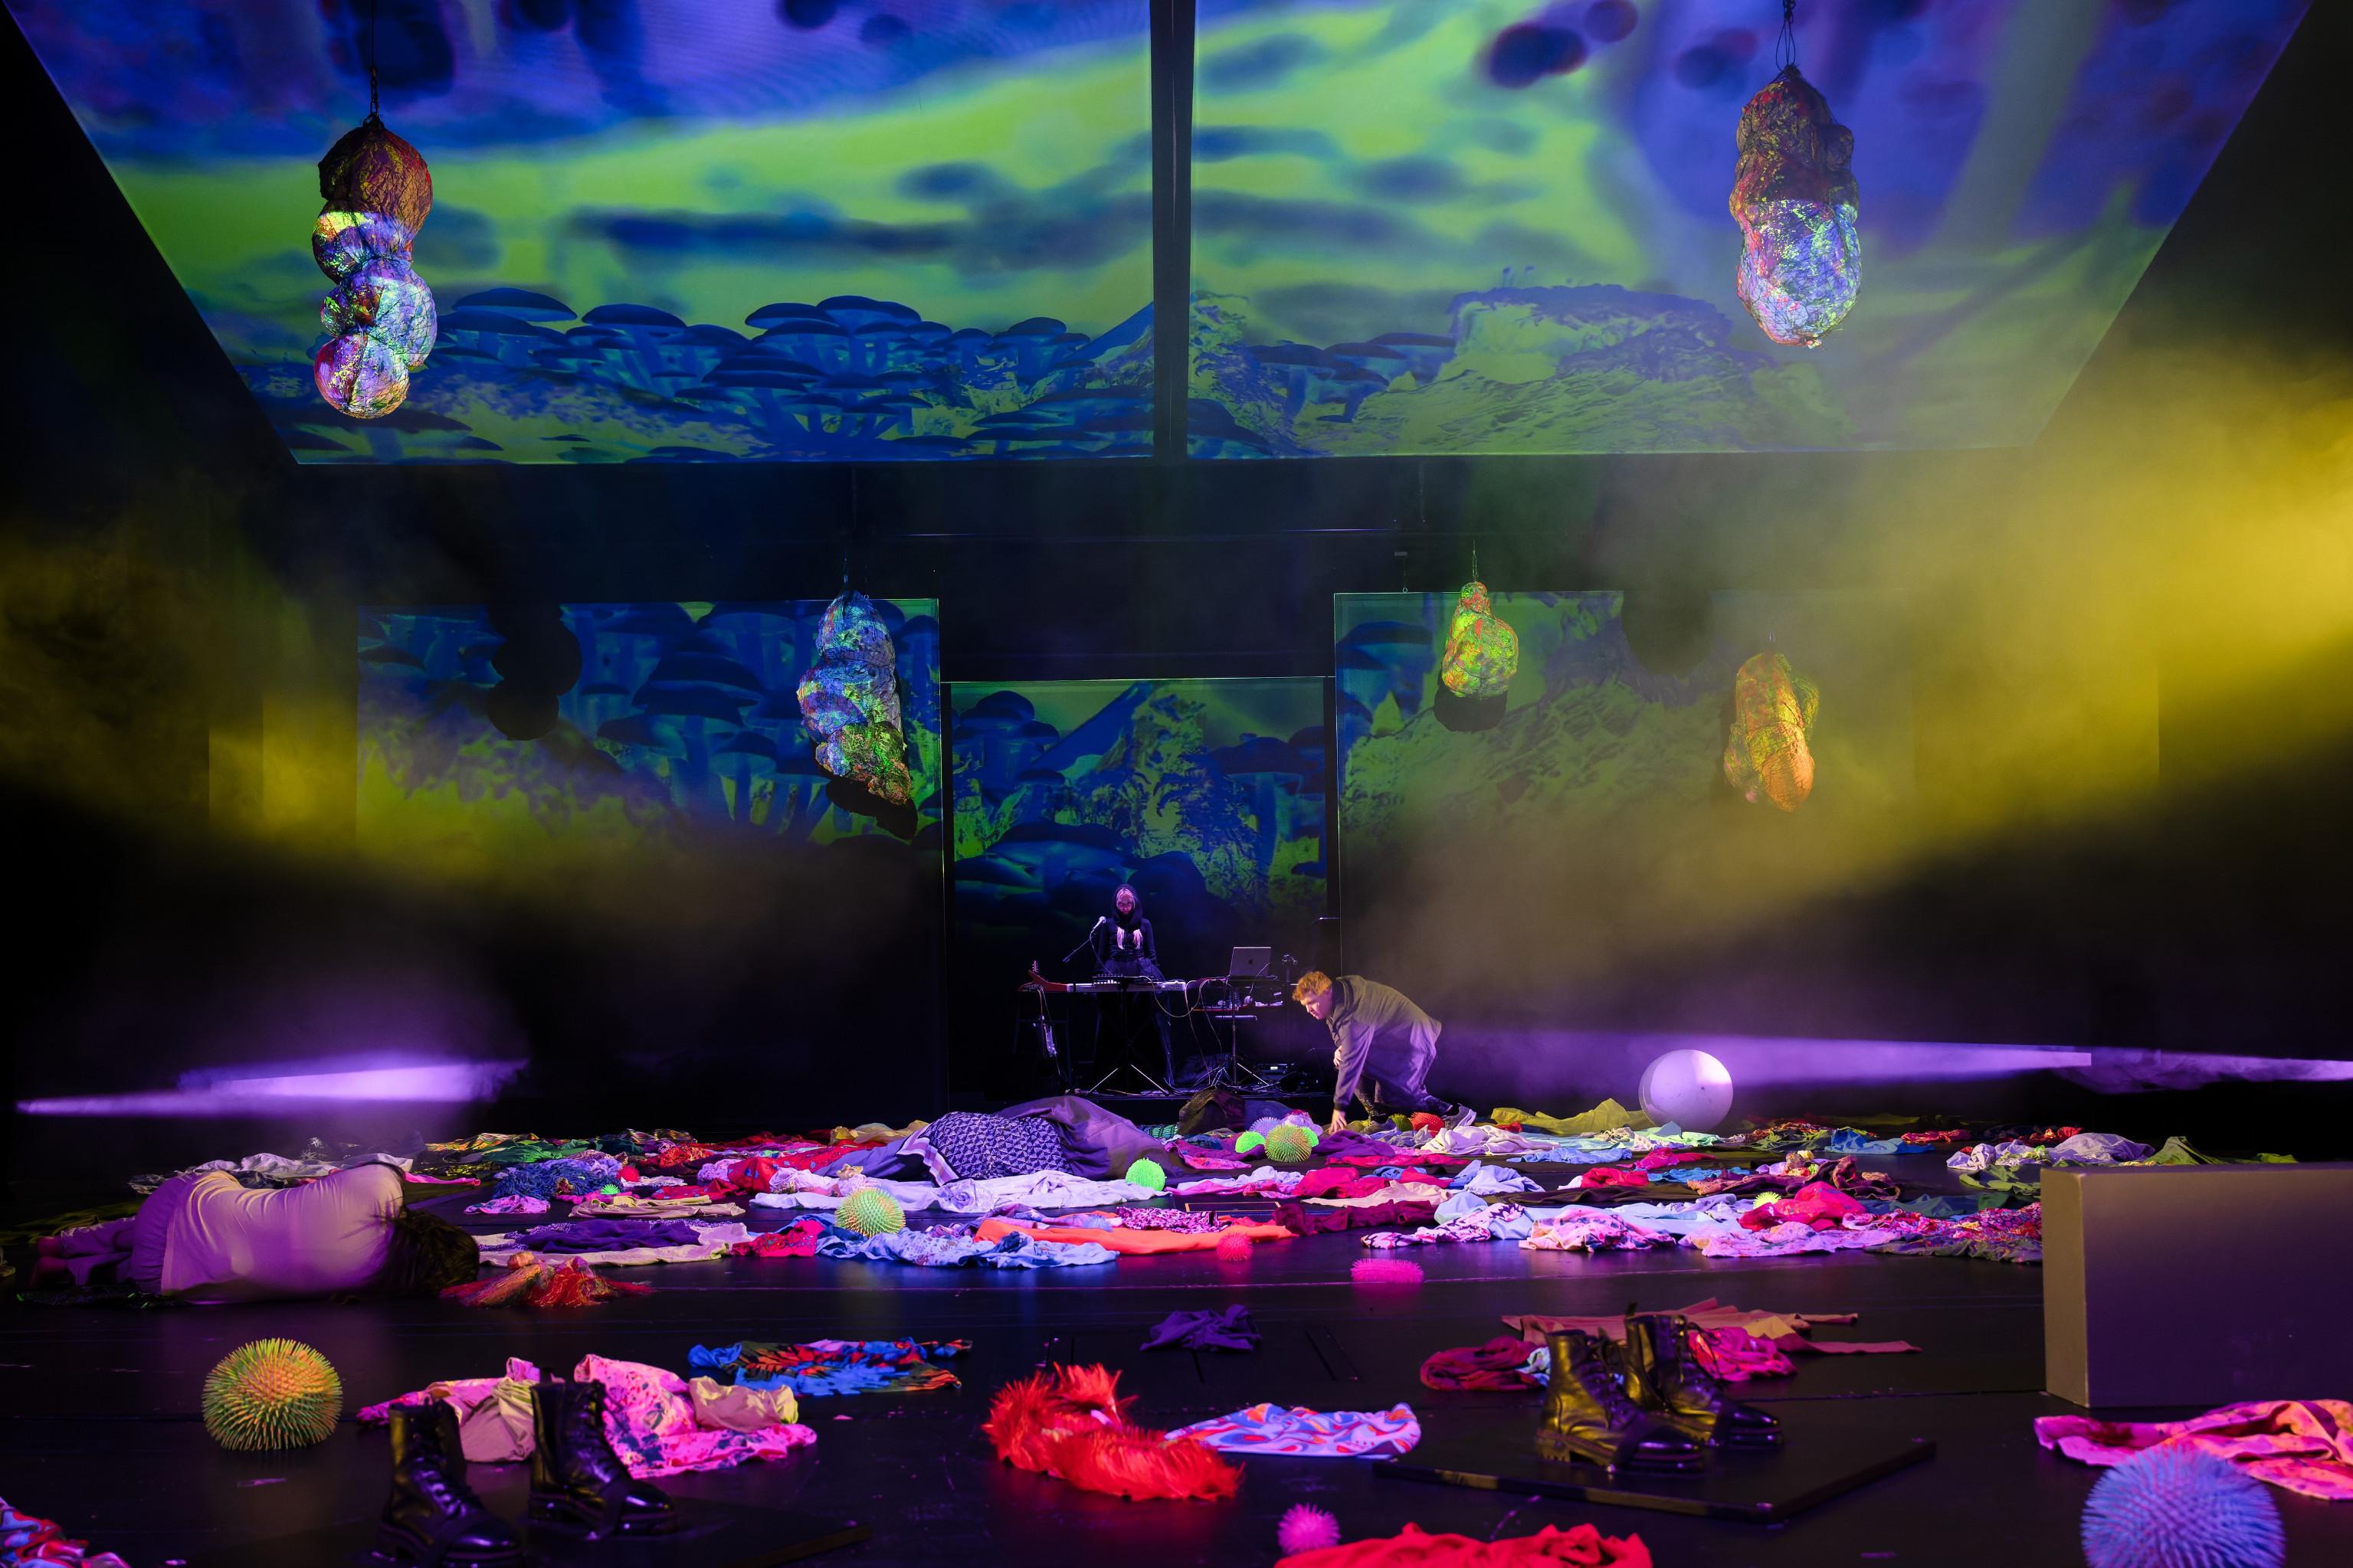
(1648, 1404)
(578, 1484)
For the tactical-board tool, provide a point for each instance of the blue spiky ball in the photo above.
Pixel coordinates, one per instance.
(2182, 1508)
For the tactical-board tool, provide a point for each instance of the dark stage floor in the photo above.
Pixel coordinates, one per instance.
(98, 1430)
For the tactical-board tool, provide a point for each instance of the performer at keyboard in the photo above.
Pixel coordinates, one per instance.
(1380, 1040)
(1125, 950)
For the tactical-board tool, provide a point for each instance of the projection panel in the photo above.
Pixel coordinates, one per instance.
(1499, 226)
(681, 729)
(665, 229)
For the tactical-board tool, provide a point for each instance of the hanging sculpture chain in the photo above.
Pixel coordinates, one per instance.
(1768, 754)
(849, 702)
(1793, 195)
(380, 320)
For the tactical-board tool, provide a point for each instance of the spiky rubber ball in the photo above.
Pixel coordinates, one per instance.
(870, 1211)
(2182, 1508)
(1289, 1143)
(272, 1394)
(1148, 1173)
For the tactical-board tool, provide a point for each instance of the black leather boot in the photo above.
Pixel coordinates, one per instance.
(1664, 1375)
(1589, 1420)
(578, 1482)
(433, 1519)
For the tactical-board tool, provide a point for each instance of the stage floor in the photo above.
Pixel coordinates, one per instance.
(98, 1430)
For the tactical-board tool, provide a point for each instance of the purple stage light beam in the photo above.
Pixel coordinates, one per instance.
(212, 1092)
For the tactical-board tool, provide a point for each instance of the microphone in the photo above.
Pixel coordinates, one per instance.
(1101, 921)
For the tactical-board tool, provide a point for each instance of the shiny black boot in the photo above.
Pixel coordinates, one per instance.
(578, 1482)
(433, 1519)
(1665, 1376)
(1589, 1420)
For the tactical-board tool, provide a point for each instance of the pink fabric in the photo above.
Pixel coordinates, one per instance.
(649, 1415)
(1610, 1176)
(1735, 1356)
(2303, 1445)
(1660, 1159)
(1818, 1204)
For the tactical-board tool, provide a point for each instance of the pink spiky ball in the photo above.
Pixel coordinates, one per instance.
(1386, 1271)
(1233, 1247)
(1305, 1529)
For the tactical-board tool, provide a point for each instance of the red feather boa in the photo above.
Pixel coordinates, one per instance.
(1070, 1423)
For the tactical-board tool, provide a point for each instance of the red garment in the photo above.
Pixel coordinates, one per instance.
(1610, 1176)
(1660, 1159)
(1581, 1546)
(1310, 1219)
(1125, 1240)
(796, 1241)
(1331, 1182)
(1818, 1203)
(1948, 1135)
(1493, 1365)
(1427, 1121)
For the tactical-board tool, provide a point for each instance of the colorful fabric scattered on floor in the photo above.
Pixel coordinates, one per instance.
(27, 1541)
(1229, 1329)
(825, 1367)
(1580, 1546)
(513, 1202)
(570, 1284)
(1602, 1231)
(1308, 1219)
(2299, 1444)
(648, 1414)
(951, 1246)
(1508, 1361)
(1070, 1423)
(1301, 1433)
(1127, 1241)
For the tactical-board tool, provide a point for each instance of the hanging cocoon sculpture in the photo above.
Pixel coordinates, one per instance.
(380, 320)
(849, 702)
(1793, 194)
(1767, 756)
(1483, 652)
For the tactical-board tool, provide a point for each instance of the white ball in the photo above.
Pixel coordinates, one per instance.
(1690, 1088)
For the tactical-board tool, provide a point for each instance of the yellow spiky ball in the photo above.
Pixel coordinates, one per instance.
(272, 1394)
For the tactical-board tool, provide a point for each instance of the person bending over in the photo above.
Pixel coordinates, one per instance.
(1378, 1034)
(204, 1238)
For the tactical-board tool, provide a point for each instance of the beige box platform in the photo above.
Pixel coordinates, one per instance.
(2198, 1285)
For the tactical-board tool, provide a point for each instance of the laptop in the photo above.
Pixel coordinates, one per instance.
(1249, 961)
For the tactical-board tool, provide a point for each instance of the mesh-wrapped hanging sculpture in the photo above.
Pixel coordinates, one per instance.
(849, 701)
(1482, 653)
(1767, 756)
(1793, 194)
(380, 320)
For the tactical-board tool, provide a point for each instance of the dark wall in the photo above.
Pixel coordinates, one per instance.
(172, 575)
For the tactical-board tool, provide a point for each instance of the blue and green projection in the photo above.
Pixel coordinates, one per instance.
(1207, 796)
(1501, 226)
(679, 732)
(666, 230)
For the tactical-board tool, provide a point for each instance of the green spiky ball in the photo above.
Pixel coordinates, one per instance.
(870, 1211)
(1148, 1173)
(1289, 1143)
(272, 1394)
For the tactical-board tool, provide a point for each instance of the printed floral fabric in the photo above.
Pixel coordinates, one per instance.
(954, 1247)
(824, 1367)
(1310, 1433)
(1195, 1221)
(2300, 1444)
